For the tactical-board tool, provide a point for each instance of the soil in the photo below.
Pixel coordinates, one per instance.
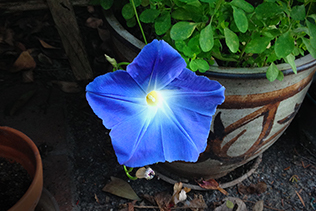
(14, 182)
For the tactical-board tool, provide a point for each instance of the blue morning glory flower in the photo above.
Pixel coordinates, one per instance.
(157, 109)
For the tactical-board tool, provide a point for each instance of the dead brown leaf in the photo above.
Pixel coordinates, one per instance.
(67, 86)
(93, 22)
(24, 62)
(120, 188)
(45, 44)
(44, 59)
(258, 188)
(179, 193)
(211, 184)
(196, 204)
(163, 201)
(6, 36)
(28, 76)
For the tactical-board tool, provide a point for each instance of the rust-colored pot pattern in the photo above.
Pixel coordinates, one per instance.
(254, 115)
(17, 146)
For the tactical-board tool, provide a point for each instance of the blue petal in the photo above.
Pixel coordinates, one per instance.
(114, 97)
(156, 66)
(160, 136)
(194, 93)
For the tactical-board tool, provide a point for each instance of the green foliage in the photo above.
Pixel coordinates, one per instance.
(233, 32)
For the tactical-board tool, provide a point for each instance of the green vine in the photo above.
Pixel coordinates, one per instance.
(127, 171)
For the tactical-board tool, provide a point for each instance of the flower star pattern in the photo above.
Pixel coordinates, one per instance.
(157, 109)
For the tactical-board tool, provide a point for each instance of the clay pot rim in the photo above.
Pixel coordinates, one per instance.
(302, 63)
(37, 181)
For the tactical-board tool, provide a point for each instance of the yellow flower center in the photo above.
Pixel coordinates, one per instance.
(152, 98)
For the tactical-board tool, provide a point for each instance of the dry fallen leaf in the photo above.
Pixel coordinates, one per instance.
(239, 205)
(120, 188)
(258, 188)
(94, 22)
(196, 204)
(45, 44)
(68, 87)
(212, 185)
(163, 201)
(179, 194)
(44, 59)
(258, 206)
(24, 62)
(28, 76)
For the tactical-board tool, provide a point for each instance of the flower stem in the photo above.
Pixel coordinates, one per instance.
(127, 171)
(138, 21)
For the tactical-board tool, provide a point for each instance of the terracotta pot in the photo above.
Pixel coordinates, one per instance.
(254, 115)
(17, 146)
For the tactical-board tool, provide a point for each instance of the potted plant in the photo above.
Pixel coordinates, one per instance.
(18, 148)
(250, 44)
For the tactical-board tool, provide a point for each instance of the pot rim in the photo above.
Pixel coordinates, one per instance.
(302, 63)
(35, 188)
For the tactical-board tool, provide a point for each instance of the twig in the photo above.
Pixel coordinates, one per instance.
(264, 206)
(309, 160)
(299, 196)
(305, 148)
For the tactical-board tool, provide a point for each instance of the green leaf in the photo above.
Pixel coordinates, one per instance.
(206, 38)
(312, 32)
(188, 1)
(136, 2)
(194, 44)
(309, 47)
(284, 45)
(231, 40)
(179, 45)
(240, 19)
(95, 2)
(290, 60)
(257, 45)
(280, 76)
(182, 30)
(149, 15)
(188, 51)
(298, 13)
(267, 9)
(131, 22)
(181, 14)
(208, 1)
(199, 64)
(145, 3)
(163, 23)
(106, 4)
(242, 4)
(272, 72)
(229, 204)
(128, 11)
(272, 57)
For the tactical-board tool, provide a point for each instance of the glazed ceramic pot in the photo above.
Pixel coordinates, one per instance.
(254, 115)
(16, 146)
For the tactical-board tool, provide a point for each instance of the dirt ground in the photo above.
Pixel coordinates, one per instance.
(288, 167)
